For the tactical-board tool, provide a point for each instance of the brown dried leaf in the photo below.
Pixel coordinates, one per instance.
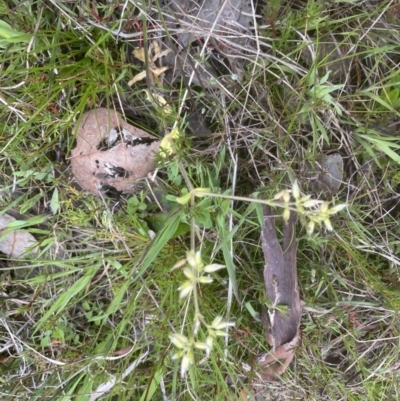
(280, 275)
(155, 71)
(139, 54)
(231, 18)
(15, 244)
(330, 176)
(137, 78)
(111, 154)
(154, 53)
(273, 364)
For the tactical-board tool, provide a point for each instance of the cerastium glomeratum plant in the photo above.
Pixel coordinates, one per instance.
(196, 273)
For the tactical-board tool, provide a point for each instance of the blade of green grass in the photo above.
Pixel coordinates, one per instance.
(156, 245)
(63, 301)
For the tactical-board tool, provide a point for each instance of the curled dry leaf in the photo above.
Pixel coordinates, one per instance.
(280, 275)
(330, 174)
(227, 24)
(231, 18)
(16, 244)
(154, 53)
(110, 154)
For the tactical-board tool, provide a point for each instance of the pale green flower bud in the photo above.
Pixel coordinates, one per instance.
(191, 259)
(216, 321)
(199, 263)
(213, 268)
(197, 323)
(337, 208)
(286, 196)
(189, 274)
(311, 203)
(185, 289)
(210, 342)
(296, 190)
(179, 264)
(286, 215)
(203, 347)
(310, 227)
(279, 195)
(219, 324)
(205, 280)
(304, 198)
(187, 360)
(324, 207)
(328, 224)
(179, 340)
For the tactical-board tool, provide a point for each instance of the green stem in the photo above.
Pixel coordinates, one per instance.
(192, 191)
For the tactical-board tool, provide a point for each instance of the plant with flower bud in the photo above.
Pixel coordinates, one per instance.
(196, 273)
(316, 211)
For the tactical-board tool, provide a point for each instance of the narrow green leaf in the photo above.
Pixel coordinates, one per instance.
(230, 266)
(156, 245)
(152, 386)
(260, 214)
(322, 130)
(386, 149)
(70, 293)
(255, 315)
(385, 145)
(54, 205)
(116, 302)
(324, 78)
(392, 96)
(365, 144)
(30, 203)
(9, 35)
(85, 390)
(27, 223)
(379, 100)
